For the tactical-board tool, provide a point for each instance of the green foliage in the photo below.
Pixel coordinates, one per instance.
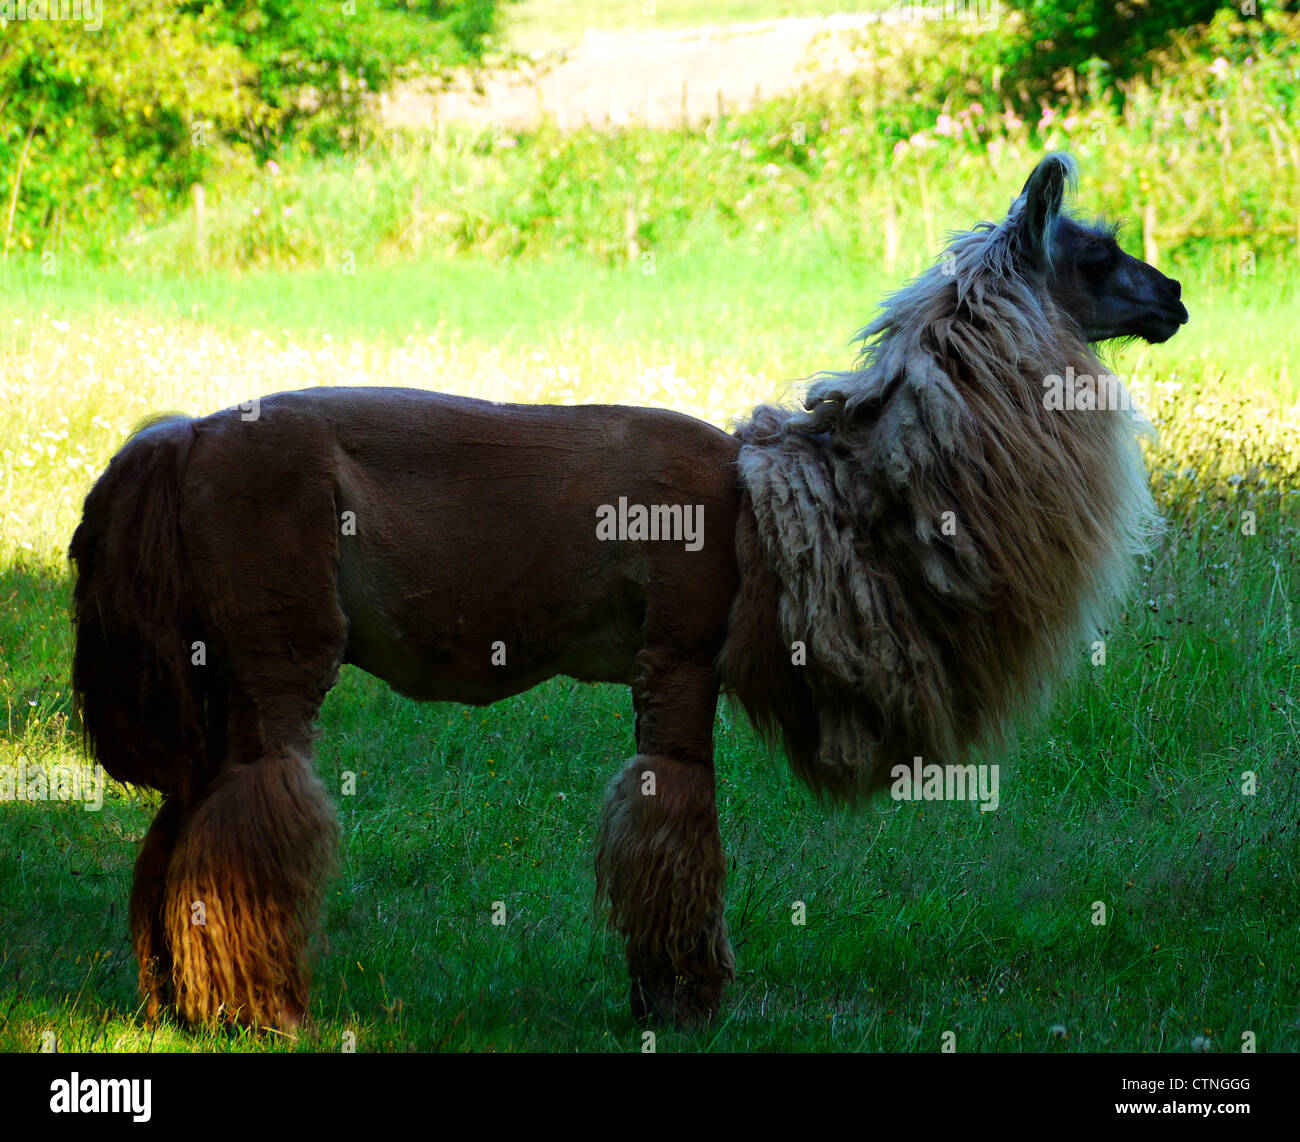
(920, 117)
(1104, 39)
(1057, 34)
(99, 123)
(857, 162)
(312, 63)
(471, 22)
(103, 126)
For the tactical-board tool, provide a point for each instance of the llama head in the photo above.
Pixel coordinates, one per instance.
(1108, 293)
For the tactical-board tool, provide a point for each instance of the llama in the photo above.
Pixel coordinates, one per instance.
(936, 538)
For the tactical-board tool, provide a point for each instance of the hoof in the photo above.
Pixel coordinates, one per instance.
(285, 1018)
(677, 1002)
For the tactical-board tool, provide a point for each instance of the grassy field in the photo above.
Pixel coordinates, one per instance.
(921, 920)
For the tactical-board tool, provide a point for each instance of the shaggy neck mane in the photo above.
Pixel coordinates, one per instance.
(940, 543)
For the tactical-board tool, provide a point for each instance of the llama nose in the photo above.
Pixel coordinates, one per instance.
(1175, 287)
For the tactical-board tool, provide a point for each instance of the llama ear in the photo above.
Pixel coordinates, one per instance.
(1043, 195)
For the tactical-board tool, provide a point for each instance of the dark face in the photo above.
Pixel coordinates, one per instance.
(1110, 293)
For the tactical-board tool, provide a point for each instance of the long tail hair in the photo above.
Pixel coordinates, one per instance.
(143, 706)
(926, 546)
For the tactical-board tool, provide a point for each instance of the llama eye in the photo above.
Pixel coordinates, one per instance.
(1092, 259)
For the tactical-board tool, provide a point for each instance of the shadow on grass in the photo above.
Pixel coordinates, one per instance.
(35, 655)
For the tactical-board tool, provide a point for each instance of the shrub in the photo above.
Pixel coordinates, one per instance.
(1112, 38)
(110, 124)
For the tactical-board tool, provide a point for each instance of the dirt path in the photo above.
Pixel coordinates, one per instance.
(661, 79)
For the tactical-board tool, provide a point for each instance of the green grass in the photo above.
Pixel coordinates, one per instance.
(773, 310)
(921, 919)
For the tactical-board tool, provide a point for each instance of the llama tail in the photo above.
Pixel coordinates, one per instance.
(135, 617)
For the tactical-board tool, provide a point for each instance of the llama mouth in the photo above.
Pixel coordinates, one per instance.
(1162, 326)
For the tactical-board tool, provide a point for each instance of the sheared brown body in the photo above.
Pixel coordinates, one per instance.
(936, 540)
(439, 484)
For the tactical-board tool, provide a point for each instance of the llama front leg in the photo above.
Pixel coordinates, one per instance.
(659, 856)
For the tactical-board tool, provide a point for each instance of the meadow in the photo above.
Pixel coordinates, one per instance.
(1163, 782)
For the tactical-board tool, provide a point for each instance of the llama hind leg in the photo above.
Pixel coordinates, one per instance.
(659, 856)
(148, 894)
(243, 885)
(243, 888)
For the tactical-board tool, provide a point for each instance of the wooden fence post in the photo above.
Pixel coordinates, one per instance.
(200, 225)
(630, 244)
(1150, 252)
(891, 235)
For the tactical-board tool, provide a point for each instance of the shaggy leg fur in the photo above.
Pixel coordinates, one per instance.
(660, 860)
(242, 891)
(659, 856)
(148, 934)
